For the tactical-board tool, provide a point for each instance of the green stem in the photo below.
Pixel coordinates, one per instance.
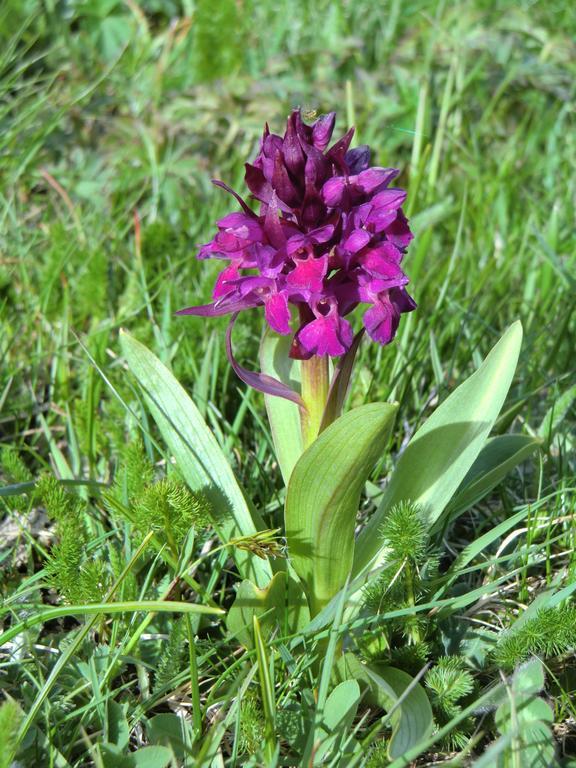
(315, 386)
(410, 594)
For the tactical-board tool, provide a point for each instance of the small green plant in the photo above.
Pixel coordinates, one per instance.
(78, 577)
(15, 471)
(173, 656)
(252, 725)
(411, 567)
(449, 683)
(550, 633)
(165, 505)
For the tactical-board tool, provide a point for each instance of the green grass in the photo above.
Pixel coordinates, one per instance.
(114, 115)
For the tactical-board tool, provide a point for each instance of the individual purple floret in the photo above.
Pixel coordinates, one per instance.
(330, 234)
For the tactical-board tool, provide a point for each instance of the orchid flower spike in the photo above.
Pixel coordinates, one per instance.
(329, 235)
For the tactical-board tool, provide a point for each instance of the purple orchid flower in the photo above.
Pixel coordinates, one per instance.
(330, 234)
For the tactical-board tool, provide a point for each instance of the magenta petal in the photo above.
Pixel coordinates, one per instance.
(260, 381)
(384, 262)
(277, 313)
(322, 130)
(217, 309)
(292, 151)
(372, 178)
(282, 184)
(333, 191)
(381, 322)
(357, 240)
(308, 273)
(357, 159)
(313, 209)
(402, 300)
(208, 250)
(303, 241)
(331, 335)
(337, 151)
(322, 234)
(381, 219)
(222, 286)
(272, 225)
(257, 183)
(399, 231)
(241, 226)
(269, 260)
(389, 198)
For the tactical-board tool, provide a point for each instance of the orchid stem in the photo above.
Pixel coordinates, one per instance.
(315, 386)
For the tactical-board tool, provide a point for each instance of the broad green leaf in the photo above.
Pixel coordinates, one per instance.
(522, 709)
(397, 693)
(152, 757)
(198, 456)
(146, 757)
(529, 677)
(170, 730)
(282, 602)
(498, 457)
(416, 721)
(118, 728)
(525, 719)
(441, 453)
(339, 711)
(323, 497)
(283, 415)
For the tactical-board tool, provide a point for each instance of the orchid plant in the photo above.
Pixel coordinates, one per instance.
(329, 236)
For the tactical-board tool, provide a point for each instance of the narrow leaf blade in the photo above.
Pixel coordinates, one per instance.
(498, 457)
(198, 455)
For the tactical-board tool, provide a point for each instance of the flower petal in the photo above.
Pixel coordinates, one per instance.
(244, 206)
(333, 191)
(322, 130)
(282, 184)
(308, 273)
(330, 335)
(277, 313)
(357, 240)
(222, 285)
(383, 262)
(357, 159)
(399, 231)
(260, 381)
(373, 178)
(217, 309)
(382, 320)
(337, 151)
